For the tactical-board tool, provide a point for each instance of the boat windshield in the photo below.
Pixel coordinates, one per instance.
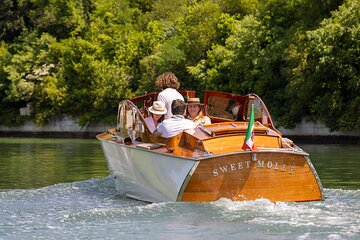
(221, 107)
(260, 114)
(129, 117)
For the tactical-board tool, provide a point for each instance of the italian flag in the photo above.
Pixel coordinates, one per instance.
(249, 138)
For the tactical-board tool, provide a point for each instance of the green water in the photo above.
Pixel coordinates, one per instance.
(338, 166)
(32, 163)
(80, 201)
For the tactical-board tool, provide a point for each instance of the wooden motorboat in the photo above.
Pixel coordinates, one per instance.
(208, 163)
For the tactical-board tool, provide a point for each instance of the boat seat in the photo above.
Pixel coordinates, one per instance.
(173, 142)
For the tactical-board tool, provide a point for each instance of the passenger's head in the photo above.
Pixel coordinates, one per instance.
(178, 107)
(158, 107)
(167, 80)
(194, 107)
(157, 110)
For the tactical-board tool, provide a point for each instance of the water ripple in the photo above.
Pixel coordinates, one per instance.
(92, 209)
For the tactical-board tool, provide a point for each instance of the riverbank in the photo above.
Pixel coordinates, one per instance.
(318, 133)
(65, 127)
(304, 132)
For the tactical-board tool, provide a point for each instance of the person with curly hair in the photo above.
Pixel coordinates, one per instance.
(168, 84)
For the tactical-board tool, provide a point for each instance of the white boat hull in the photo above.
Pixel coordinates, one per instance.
(145, 175)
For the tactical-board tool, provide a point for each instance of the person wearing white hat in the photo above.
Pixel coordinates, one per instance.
(157, 112)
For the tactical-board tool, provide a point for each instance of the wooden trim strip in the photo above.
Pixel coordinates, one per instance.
(307, 159)
(186, 181)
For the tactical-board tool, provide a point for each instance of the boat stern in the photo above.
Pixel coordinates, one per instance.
(274, 175)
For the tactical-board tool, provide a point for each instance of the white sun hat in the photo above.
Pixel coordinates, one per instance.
(158, 107)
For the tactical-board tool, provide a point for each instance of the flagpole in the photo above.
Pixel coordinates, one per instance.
(249, 137)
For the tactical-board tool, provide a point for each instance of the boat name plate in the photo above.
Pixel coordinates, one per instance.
(262, 164)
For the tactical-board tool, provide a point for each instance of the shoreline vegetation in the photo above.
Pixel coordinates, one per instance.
(81, 58)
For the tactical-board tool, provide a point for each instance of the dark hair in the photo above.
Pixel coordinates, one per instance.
(167, 80)
(178, 107)
(160, 119)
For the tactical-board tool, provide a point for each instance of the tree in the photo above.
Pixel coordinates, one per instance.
(81, 58)
(13, 18)
(326, 79)
(60, 18)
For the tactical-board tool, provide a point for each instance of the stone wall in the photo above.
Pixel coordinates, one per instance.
(315, 129)
(316, 132)
(60, 127)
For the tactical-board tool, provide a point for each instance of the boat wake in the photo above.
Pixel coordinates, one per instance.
(72, 209)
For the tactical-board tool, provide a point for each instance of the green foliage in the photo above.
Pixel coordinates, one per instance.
(5, 57)
(198, 29)
(60, 18)
(328, 70)
(143, 5)
(9, 110)
(94, 84)
(81, 57)
(29, 54)
(169, 11)
(13, 18)
(242, 7)
(165, 57)
(232, 67)
(261, 55)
